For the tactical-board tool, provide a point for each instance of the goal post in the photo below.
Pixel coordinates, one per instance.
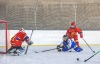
(3, 36)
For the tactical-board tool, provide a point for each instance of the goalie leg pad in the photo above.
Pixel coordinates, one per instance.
(16, 51)
(12, 49)
(20, 50)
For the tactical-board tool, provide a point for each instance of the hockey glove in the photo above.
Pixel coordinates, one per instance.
(30, 42)
(81, 35)
(58, 46)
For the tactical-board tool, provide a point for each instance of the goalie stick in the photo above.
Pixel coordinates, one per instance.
(28, 44)
(35, 25)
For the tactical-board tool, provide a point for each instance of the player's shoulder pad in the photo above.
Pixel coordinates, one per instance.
(78, 29)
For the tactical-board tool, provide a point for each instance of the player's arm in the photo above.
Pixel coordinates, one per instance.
(29, 42)
(80, 32)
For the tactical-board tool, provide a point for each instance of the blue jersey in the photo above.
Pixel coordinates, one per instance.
(70, 44)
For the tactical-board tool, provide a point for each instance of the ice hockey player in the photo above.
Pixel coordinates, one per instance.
(73, 32)
(16, 42)
(68, 45)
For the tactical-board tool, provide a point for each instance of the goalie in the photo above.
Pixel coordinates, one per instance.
(68, 45)
(16, 42)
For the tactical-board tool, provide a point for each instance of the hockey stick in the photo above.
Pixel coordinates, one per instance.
(88, 46)
(47, 50)
(35, 51)
(28, 44)
(92, 56)
(26, 49)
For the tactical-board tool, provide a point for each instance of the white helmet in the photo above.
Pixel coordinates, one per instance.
(22, 29)
(65, 37)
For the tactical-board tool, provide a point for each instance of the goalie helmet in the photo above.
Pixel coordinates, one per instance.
(22, 29)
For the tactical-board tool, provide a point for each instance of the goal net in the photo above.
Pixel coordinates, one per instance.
(3, 36)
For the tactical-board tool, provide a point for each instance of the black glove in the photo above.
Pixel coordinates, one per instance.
(58, 46)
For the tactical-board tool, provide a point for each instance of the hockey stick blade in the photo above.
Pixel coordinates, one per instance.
(35, 51)
(49, 50)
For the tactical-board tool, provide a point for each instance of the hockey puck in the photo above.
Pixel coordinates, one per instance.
(77, 59)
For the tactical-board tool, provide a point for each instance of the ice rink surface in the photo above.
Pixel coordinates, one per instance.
(52, 57)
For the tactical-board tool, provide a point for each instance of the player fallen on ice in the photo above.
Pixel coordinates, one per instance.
(17, 40)
(73, 32)
(68, 45)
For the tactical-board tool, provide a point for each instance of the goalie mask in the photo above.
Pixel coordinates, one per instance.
(65, 37)
(22, 29)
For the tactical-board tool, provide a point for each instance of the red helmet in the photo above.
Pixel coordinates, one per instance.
(73, 23)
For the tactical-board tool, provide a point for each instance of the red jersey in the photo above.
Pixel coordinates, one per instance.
(72, 32)
(19, 38)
